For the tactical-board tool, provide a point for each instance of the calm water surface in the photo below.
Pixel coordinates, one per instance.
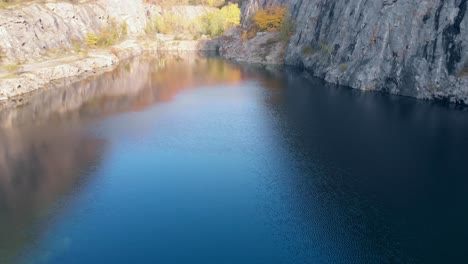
(187, 159)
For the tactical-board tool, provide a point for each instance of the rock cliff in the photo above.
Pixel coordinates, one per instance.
(45, 43)
(30, 32)
(414, 48)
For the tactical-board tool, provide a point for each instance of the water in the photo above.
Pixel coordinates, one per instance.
(187, 159)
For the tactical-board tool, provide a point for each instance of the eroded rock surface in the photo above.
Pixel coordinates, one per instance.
(31, 31)
(413, 48)
(264, 48)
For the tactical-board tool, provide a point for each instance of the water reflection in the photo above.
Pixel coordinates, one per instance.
(44, 153)
(239, 162)
(37, 169)
(133, 86)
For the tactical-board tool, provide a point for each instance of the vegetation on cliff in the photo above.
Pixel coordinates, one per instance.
(271, 19)
(213, 3)
(212, 23)
(109, 35)
(56, 39)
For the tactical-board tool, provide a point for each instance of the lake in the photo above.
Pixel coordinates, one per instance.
(181, 158)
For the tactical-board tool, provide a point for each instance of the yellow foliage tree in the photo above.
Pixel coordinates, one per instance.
(231, 14)
(216, 22)
(271, 18)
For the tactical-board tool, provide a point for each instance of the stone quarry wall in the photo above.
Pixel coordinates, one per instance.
(30, 31)
(416, 48)
(43, 42)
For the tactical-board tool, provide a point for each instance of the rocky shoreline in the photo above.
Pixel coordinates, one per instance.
(31, 32)
(70, 69)
(264, 48)
(387, 54)
(416, 49)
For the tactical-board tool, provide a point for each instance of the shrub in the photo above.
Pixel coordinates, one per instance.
(308, 51)
(124, 29)
(213, 23)
(91, 39)
(273, 18)
(2, 55)
(108, 36)
(245, 36)
(14, 67)
(343, 67)
(327, 49)
(167, 24)
(76, 45)
(464, 70)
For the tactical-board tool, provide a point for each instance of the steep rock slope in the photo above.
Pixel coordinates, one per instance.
(413, 48)
(44, 44)
(31, 31)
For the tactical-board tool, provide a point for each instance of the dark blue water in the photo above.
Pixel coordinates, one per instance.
(187, 159)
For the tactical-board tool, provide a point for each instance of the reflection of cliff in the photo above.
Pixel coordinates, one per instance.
(176, 73)
(132, 86)
(36, 170)
(42, 162)
(160, 79)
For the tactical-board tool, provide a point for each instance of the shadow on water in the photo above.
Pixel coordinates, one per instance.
(388, 172)
(339, 175)
(38, 169)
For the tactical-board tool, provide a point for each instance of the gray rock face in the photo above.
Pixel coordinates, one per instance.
(27, 33)
(415, 48)
(264, 48)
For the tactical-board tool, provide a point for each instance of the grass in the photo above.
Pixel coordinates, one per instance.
(12, 68)
(326, 48)
(287, 30)
(463, 72)
(2, 55)
(308, 51)
(323, 47)
(76, 45)
(343, 67)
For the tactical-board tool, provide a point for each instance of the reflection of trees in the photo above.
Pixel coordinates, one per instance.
(134, 85)
(174, 73)
(36, 170)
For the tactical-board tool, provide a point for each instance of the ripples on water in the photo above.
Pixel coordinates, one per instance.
(182, 158)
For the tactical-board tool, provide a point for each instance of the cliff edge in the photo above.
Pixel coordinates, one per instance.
(412, 48)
